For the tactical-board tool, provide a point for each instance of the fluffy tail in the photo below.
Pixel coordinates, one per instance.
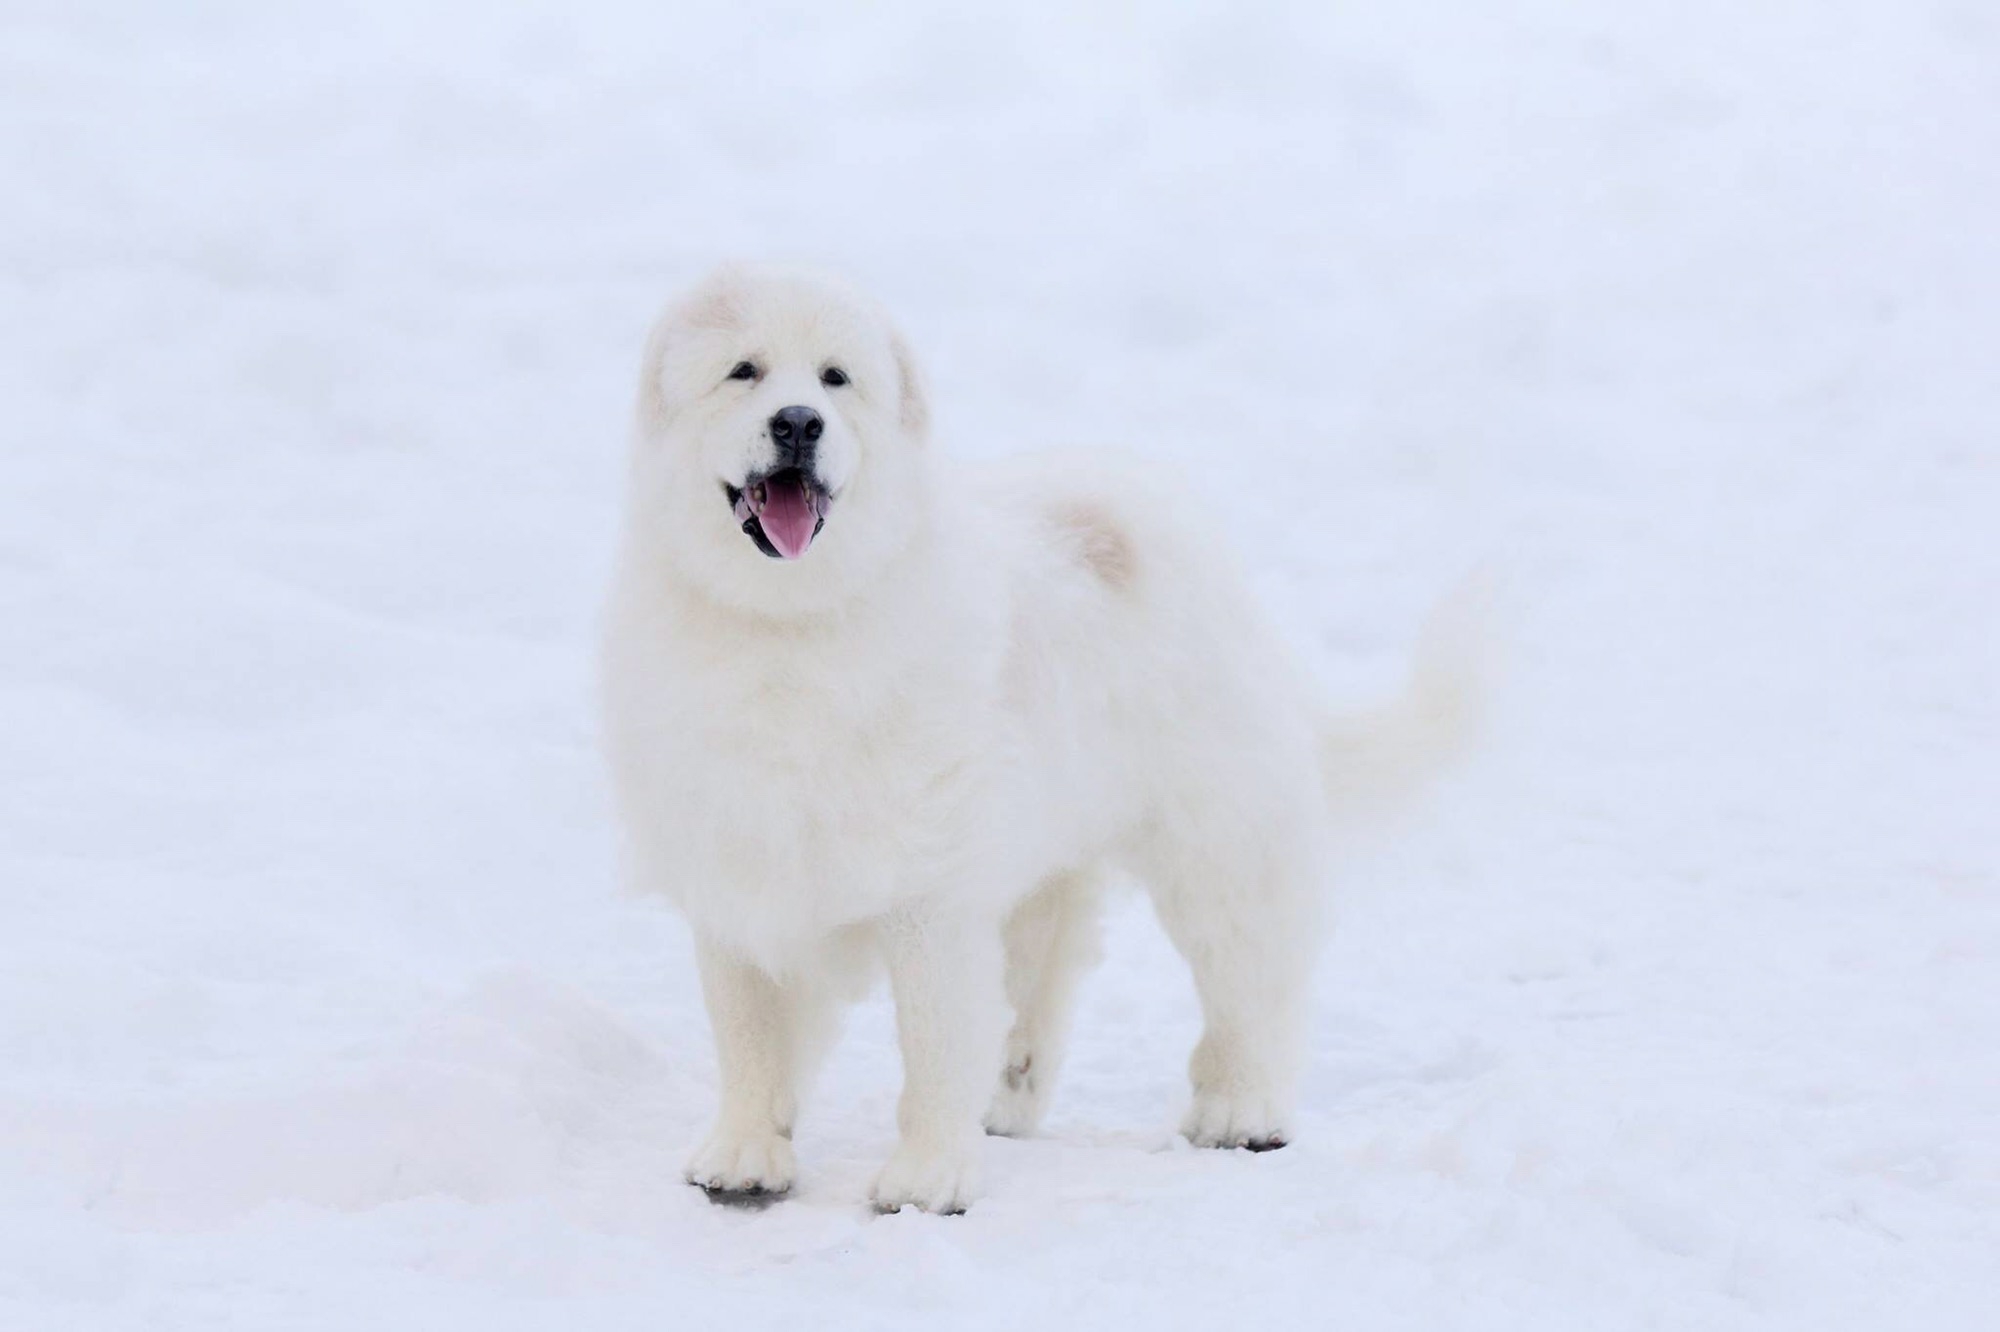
(1375, 763)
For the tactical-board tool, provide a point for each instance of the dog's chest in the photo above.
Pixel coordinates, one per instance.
(795, 804)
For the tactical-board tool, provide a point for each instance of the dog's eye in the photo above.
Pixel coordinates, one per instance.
(833, 376)
(743, 370)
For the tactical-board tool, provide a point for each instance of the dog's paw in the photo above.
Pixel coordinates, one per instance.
(751, 1168)
(943, 1181)
(1016, 1111)
(1251, 1122)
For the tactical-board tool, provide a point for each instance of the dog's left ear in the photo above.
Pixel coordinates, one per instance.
(916, 403)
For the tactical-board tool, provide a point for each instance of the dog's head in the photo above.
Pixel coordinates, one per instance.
(779, 455)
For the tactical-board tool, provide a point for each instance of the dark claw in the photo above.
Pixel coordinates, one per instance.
(1264, 1144)
(883, 1209)
(754, 1199)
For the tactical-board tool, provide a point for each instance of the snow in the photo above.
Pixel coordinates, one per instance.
(320, 1005)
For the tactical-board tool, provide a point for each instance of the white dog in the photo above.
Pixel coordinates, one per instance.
(871, 705)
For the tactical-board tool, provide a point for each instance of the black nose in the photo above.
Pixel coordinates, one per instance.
(795, 430)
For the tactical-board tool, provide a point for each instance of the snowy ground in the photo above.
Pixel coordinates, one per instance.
(319, 1004)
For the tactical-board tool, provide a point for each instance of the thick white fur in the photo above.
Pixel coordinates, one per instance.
(924, 743)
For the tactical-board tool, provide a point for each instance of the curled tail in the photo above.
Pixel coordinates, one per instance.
(1376, 762)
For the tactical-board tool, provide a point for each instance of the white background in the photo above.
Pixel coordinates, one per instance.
(320, 1005)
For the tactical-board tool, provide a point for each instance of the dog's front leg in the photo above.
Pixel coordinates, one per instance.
(945, 972)
(748, 1156)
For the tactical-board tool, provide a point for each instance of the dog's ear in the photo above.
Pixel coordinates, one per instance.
(652, 365)
(916, 403)
(715, 304)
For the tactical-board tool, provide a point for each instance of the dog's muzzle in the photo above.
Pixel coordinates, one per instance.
(781, 511)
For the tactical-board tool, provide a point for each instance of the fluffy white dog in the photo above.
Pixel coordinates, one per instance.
(869, 706)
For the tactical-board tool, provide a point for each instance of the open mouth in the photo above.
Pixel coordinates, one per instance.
(782, 512)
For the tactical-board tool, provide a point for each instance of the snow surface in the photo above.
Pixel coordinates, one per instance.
(320, 1006)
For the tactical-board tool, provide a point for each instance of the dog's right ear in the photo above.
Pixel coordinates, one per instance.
(915, 402)
(711, 305)
(715, 304)
(652, 365)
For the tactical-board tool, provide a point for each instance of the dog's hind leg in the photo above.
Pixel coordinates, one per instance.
(1051, 938)
(1243, 908)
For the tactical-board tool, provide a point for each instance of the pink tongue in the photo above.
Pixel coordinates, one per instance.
(788, 517)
